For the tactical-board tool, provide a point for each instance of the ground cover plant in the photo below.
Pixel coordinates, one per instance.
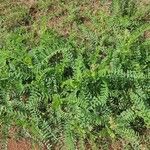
(75, 74)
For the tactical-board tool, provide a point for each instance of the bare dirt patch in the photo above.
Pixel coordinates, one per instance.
(19, 145)
(14, 143)
(29, 3)
(147, 34)
(65, 22)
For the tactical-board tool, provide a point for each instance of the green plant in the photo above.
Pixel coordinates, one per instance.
(79, 90)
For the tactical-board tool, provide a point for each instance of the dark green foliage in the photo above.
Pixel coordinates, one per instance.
(65, 90)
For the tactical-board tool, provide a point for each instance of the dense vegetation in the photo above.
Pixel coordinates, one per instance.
(87, 87)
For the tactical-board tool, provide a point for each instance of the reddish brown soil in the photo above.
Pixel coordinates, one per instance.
(19, 145)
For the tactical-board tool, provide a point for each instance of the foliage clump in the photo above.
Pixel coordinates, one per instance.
(83, 90)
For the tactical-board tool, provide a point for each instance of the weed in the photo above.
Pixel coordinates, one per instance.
(75, 74)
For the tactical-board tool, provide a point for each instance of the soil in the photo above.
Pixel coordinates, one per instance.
(19, 145)
(22, 144)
